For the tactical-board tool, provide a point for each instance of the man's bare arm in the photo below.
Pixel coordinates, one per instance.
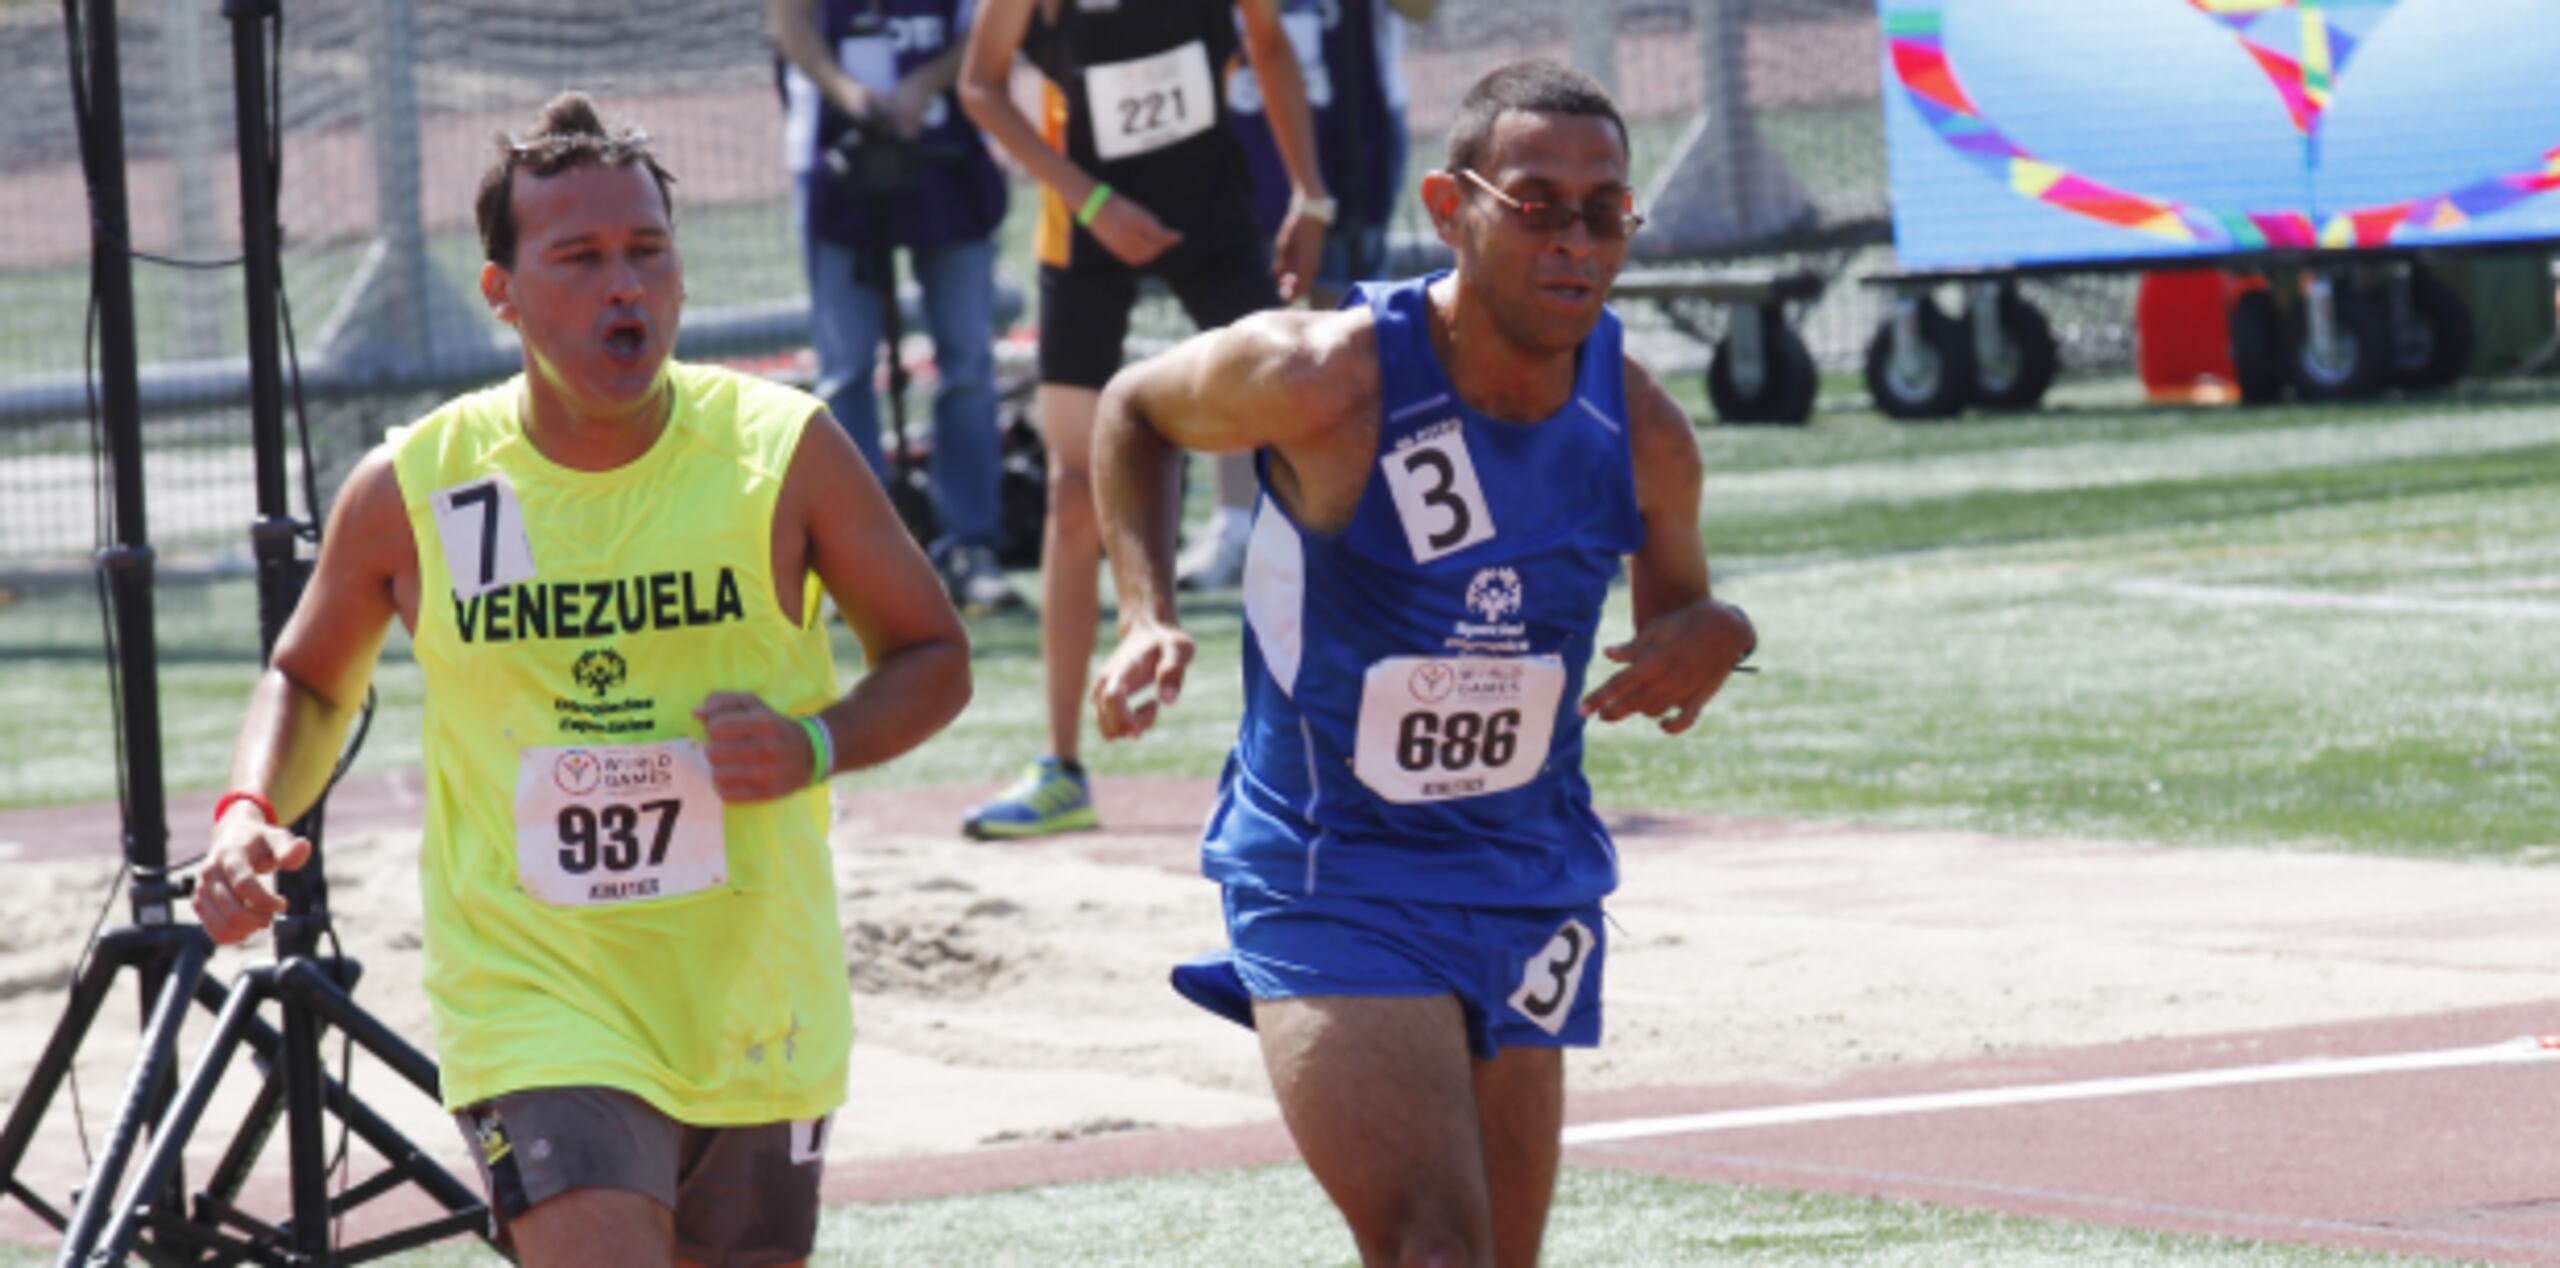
(1686, 643)
(832, 520)
(312, 689)
(912, 640)
(986, 94)
(1669, 572)
(1298, 250)
(1289, 382)
(793, 26)
(929, 80)
(315, 682)
(1274, 380)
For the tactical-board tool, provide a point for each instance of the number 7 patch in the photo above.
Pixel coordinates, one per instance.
(482, 528)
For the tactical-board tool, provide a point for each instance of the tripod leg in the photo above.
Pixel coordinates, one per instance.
(232, 1174)
(88, 994)
(305, 1144)
(151, 1068)
(317, 992)
(169, 1141)
(304, 981)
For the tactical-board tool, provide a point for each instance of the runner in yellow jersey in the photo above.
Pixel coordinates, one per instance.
(611, 568)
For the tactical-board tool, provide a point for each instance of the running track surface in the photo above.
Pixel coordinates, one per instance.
(2448, 1145)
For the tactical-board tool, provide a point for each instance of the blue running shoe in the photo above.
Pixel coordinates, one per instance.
(1048, 799)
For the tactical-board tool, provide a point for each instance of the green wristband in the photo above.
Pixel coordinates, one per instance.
(822, 749)
(1093, 204)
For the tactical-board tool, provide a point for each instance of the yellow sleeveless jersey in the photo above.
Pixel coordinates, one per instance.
(595, 915)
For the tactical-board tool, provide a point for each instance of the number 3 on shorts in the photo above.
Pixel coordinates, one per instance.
(1552, 978)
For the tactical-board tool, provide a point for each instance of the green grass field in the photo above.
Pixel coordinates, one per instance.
(2319, 628)
(2308, 627)
(2312, 627)
(1268, 1217)
(1963, 626)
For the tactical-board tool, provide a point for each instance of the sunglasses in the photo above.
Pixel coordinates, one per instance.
(1612, 217)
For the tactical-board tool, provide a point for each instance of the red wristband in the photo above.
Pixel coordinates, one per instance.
(265, 807)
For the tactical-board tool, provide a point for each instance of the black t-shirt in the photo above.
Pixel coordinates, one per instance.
(1144, 82)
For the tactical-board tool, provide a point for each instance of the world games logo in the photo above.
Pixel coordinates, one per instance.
(1432, 681)
(577, 772)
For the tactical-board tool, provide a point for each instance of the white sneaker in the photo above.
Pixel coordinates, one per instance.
(1213, 561)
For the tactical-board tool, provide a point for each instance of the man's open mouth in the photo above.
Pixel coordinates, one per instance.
(626, 338)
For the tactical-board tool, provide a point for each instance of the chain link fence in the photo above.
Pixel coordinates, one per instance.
(1755, 123)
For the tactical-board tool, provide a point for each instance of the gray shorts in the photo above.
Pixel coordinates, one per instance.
(742, 1196)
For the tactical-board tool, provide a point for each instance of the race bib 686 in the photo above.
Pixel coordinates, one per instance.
(1439, 729)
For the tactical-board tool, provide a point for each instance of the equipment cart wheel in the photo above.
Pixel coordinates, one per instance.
(1920, 363)
(2431, 328)
(1782, 385)
(2258, 347)
(2339, 344)
(2014, 358)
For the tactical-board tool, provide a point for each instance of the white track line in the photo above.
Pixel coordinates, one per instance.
(2275, 597)
(2512, 1052)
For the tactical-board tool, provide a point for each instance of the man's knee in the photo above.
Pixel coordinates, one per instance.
(1070, 493)
(609, 1228)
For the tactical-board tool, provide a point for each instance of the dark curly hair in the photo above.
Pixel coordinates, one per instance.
(569, 134)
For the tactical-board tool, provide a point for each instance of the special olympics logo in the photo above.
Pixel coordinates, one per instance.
(577, 772)
(1494, 594)
(599, 670)
(1432, 681)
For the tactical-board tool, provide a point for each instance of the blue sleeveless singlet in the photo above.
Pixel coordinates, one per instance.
(1411, 682)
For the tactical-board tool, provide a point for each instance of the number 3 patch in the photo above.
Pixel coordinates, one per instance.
(1552, 978)
(481, 526)
(1437, 495)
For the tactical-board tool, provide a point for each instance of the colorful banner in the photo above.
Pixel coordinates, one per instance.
(2032, 131)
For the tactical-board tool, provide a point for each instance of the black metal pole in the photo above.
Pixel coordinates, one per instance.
(128, 563)
(163, 954)
(273, 538)
(274, 534)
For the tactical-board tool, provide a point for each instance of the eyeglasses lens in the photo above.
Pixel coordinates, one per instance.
(1609, 218)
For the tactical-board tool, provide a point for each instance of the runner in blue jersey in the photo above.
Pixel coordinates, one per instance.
(1452, 471)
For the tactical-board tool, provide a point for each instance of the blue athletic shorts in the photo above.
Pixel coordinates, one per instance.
(1526, 977)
